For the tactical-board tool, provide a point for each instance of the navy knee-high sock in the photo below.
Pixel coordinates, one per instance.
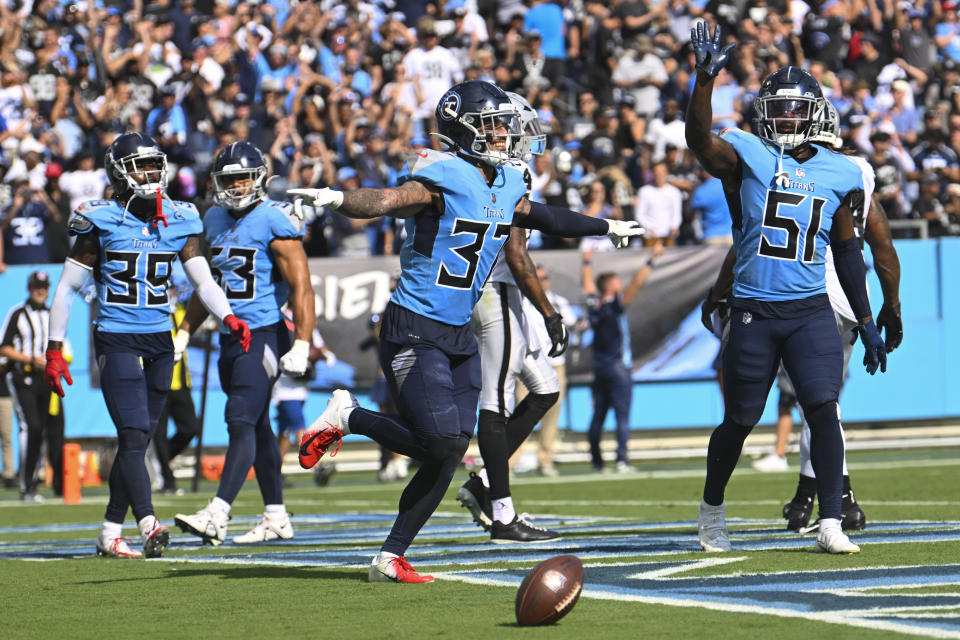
(129, 480)
(267, 464)
(240, 455)
(492, 440)
(525, 417)
(826, 456)
(387, 430)
(726, 442)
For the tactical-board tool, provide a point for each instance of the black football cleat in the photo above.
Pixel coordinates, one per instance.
(520, 531)
(476, 499)
(853, 518)
(797, 512)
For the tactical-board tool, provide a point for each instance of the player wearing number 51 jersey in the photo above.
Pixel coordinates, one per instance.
(788, 200)
(459, 206)
(129, 243)
(252, 240)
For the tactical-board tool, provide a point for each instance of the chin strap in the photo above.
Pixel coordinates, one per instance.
(160, 216)
(782, 177)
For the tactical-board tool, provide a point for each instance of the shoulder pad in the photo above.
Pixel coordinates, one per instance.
(184, 206)
(420, 160)
(77, 224)
(98, 213)
(285, 209)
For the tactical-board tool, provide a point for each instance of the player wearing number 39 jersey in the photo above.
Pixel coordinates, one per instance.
(459, 207)
(252, 240)
(788, 201)
(129, 243)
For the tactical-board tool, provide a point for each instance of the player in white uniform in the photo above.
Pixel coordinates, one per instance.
(510, 348)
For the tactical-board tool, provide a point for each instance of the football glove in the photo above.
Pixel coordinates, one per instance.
(558, 335)
(710, 57)
(329, 357)
(889, 322)
(56, 367)
(239, 330)
(876, 353)
(325, 197)
(620, 231)
(706, 311)
(180, 342)
(296, 361)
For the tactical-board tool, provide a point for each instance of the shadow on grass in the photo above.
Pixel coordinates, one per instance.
(232, 572)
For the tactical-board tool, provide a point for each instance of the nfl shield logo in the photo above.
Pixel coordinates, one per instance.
(145, 231)
(800, 172)
(747, 318)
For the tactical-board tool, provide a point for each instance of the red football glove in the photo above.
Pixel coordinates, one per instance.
(56, 367)
(239, 330)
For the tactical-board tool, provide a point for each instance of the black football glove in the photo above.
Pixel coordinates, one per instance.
(875, 353)
(889, 322)
(558, 335)
(710, 57)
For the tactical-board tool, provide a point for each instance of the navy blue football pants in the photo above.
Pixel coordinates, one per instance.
(812, 355)
(135, 375)
(612, 387)
(436, 394)
(247, 379)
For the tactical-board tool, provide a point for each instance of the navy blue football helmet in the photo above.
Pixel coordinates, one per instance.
(135, 166)
(239, 176)
(788, 107)
(477, 119)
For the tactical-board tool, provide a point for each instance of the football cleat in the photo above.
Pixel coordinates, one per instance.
(115, 547)
(395, 569)
(797, 513)
(155, 540)
(476, 499)
(326, 430)
(208, 524)
(712, 528)
(625, 467)
(771, 462)
(832, 539)
(520, 530)
(268, 529)
(853, 518)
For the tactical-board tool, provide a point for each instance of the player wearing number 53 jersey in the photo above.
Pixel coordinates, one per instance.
(129, 243)
(788, 200)
(252, 239)
(459, 206)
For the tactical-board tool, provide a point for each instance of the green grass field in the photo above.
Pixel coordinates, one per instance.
(636, 534)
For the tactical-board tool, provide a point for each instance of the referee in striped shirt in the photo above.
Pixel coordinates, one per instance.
(24, 339)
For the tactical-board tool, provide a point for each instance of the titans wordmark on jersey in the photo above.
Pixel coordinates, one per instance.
(242, 262)
(135, 263)
(448, 254)
(781, 229)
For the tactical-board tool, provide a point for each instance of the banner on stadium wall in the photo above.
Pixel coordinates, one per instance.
(668, 342)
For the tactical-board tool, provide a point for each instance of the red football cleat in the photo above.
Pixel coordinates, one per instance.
(327, 430)
(395, 569)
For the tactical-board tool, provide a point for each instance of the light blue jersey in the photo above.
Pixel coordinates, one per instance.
(136, 257)
(781, 233)
(242, 262)
(448, 254)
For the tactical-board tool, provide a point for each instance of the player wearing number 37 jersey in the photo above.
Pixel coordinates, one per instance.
(788, 201)
(128, 244)
(459, 207)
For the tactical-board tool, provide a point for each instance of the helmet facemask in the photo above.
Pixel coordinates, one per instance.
(237, 187)
(496, 134)
(534, 141)
(145, 172)
(829, 127)
(787, 119)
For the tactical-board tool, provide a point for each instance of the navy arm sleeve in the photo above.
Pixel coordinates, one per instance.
(852, 273)
(561, 222)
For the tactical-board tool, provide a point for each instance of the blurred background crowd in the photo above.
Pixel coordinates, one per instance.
(338, 92)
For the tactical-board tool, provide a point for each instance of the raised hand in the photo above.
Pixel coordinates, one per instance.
(710, 57)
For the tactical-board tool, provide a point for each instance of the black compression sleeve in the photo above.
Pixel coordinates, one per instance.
(852, 274)
(562, 222)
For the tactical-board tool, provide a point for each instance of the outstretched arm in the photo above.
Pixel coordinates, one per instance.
(640, 277)
(404, 201)
(570, 224)
(887, 264)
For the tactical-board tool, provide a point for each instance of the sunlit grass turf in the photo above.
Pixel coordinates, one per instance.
(102, 598)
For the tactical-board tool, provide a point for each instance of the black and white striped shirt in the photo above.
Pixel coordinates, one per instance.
(25, 329)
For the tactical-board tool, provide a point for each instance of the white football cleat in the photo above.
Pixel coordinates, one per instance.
(268, 529)
(209, 524)
(832, 539)
(115, 547)
(771, 462)
(395, 569)
(712, 528)
(155, 540)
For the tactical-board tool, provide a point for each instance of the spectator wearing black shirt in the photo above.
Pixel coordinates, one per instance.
(889, 176)
(870, 62)
(822, 34)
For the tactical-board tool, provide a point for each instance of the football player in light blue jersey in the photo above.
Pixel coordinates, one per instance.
(459, 206)
(788, 200)
(251, 239)
(129, 244)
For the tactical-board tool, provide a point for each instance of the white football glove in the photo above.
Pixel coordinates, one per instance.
(180, 342)
(296, 361)
(620, 231)
(329, 357)
(330, 198)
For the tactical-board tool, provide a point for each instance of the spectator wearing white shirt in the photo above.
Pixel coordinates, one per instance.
(86, 182)
(659, 208)
(433, 68)
(641, 73)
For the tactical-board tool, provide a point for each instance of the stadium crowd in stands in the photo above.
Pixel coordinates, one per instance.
(338, 92)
